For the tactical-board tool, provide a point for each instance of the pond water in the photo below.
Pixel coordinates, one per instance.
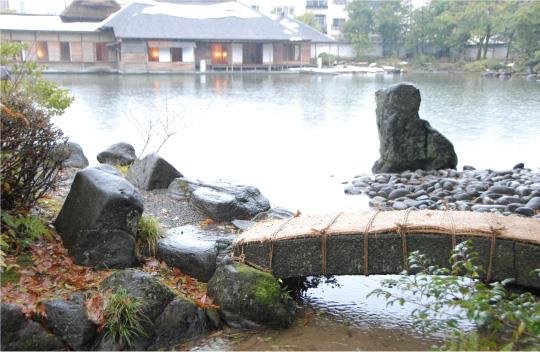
(298, 138)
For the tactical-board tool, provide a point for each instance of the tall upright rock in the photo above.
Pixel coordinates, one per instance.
(406, 141)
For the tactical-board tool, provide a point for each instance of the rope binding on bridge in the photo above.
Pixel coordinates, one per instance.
(402, 231)
(366, 241)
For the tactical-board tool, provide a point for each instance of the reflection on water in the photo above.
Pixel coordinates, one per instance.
(298, 137)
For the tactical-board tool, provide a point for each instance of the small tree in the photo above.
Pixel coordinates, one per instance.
(29, 156)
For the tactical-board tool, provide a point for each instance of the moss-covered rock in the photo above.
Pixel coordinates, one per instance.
(250, 298)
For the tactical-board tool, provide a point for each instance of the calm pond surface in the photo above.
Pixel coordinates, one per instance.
(297, 138)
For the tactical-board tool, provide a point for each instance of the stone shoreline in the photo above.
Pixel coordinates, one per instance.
(506, 192)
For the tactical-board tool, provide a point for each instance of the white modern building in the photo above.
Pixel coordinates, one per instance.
(330, 14)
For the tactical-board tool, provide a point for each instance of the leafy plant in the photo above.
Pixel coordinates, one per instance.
(442, 298)
(124, 317)
(149, 232)
(30, 157)
(19, 232)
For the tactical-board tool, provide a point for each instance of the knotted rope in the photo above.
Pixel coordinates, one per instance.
(366, 241)
(452, 228)
(324, 251)
(402, 230)
(272, 239)
(496, 230)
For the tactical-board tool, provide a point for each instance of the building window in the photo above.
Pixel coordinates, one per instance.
(101, 52)
(337, 23)
(42, 51)
(220, 54)
(255, 7)
(291, 52)
(176, 54)
(65, 53)
(153, 54)
(252, 53)
(321, 21)
(282, 10)
(318, 4)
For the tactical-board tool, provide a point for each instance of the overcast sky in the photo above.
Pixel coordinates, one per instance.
(56, 6)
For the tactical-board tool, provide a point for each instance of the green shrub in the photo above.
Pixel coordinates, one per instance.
(30, 157)
(124, 317)
(149, 232)
(19, 232)
(423, 61)
(122, 169)
(482, 65)
(445, 296)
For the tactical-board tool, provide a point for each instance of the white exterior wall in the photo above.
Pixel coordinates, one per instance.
(188, 54)
(268, 53)
(237, 53)
(164, 55)
(342, 50)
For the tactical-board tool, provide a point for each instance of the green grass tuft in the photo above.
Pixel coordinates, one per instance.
(123, 169)
(149, 232)
(124, 318)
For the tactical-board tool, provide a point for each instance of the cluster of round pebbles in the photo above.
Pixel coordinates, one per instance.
(507, 192)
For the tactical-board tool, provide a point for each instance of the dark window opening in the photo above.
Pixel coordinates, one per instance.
(252, 53)
(101, 52)
(291, 52)
(176, 55)
(65, 53)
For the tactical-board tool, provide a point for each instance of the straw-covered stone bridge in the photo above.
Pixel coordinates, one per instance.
(379, 243)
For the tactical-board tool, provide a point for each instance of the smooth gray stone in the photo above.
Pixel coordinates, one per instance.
(225, 201)
(401, 192)
(399, 205)
(501, 190)
(533, 203)
(118, 154)
(512, 207)
(180, 321)
(524, 211)
(273, 214)
(353, 190)
(152, 172)
(193, 250)
(20, 334)
(75, 156)
(69, 321)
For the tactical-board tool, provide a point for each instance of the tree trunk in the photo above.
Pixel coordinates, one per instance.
(508, 47)
(486, 43)
(479, 48)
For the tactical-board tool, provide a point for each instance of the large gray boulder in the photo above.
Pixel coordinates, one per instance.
(406, 141)
(20, 334)
(99, 219)
(76, 157)
(69, 321)
(180, 321)
(195, 251)
(249, 298)
(223, 200)
(118, 154)
(152, 172)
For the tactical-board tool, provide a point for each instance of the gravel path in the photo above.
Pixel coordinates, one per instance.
(170, 213)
